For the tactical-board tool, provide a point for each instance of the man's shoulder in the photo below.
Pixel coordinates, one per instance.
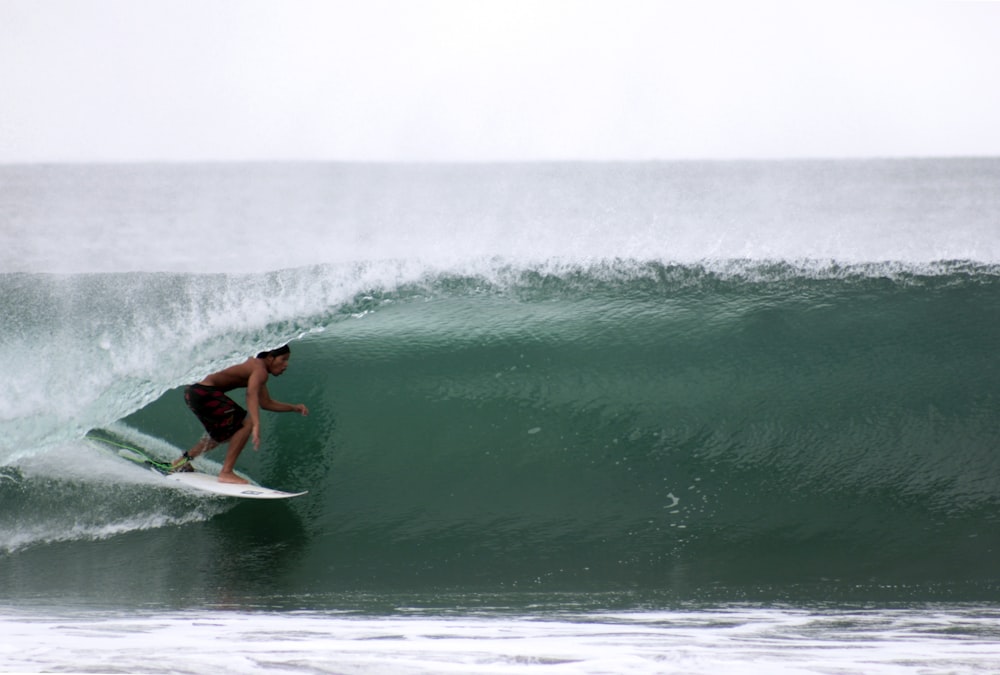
(254, 366)
(246, 367)
(238, 375)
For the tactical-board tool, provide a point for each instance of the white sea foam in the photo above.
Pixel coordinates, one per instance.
(81, 488)
(56, 530)
(873, 642)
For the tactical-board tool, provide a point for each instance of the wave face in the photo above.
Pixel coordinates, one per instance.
(581, 423)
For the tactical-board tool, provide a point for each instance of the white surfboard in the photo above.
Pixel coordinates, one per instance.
(208, 483)
(196, 480)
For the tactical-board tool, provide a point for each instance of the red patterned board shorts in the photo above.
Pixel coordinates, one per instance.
(220, 415)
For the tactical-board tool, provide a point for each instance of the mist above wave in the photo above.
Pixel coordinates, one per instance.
(261, 217)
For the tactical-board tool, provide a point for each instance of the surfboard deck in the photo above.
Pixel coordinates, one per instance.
(195, 480)
(210, 483)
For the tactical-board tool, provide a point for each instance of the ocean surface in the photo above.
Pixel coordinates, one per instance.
(691, 417)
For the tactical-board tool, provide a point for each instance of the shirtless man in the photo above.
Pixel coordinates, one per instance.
(224, 419)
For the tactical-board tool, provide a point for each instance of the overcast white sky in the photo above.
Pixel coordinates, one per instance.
(108, 80)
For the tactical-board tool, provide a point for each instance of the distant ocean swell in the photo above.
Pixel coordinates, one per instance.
(613, 425)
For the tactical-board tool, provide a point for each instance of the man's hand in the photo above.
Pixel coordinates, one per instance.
(301, 407)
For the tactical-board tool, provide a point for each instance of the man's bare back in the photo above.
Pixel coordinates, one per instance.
(235, 377)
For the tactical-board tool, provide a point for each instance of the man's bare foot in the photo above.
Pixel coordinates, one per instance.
(230, 477)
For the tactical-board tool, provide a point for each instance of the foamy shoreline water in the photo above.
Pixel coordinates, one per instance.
(733, 640)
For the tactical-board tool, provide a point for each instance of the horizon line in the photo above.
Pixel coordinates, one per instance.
(494, 162)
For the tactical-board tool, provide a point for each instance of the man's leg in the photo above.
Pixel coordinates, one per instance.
(200, 448)
(236, 444)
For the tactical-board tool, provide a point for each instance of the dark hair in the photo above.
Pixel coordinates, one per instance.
(283, 349)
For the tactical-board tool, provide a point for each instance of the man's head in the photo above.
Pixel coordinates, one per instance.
(276, 360)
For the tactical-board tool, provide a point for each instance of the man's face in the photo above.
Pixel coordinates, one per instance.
(277, 364)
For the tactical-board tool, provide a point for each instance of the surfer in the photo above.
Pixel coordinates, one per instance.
(224, 420)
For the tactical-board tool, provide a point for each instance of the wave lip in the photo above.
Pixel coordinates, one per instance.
(137, 335)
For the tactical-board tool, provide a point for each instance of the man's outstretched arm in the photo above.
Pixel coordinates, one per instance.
(268, 403)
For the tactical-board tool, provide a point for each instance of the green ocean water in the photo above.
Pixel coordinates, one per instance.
(652, 431)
